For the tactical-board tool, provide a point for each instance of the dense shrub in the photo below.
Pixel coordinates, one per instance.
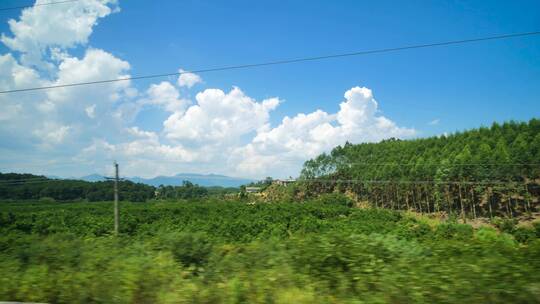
(504, 224)
(334, 199)
(454, 231)
(189, 249)
(524, 235)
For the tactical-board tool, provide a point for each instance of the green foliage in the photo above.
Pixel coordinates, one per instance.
(263, 184)
(13, 186)
(276, 193)
(448, 231)
(505, 224)
(231, 252)
(187, 190)
(221, 191)
(47, 200)
(480, 172)
(413, 229)
(492, 236)
(189, 249)
(524, 235)
(536, 226)
(520, 233)
(334, 199)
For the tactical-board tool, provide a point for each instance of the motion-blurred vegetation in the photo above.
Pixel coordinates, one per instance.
(230, 252)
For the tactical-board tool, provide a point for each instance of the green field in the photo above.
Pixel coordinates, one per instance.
(231, 252)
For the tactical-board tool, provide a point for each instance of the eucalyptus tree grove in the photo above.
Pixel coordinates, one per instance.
(480, 172)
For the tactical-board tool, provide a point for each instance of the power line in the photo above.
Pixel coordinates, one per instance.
(279, 62)
(437, 164)
(363, 163)
(336, 181)
(34, 5)
(359, 181)
(348, 163)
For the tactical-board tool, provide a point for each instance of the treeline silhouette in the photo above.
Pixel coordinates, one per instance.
(486, 171)
(16, 186)
(188, 190)
(28, 186)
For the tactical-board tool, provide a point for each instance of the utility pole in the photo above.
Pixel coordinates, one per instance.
(116, 215)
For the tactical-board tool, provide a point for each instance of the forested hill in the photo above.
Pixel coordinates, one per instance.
(502, 152)
(482, 172)
(29, 186)
(16, 186)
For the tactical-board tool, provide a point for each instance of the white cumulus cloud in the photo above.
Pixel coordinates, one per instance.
(282, 149)
(52, 133)
(219, 132)
(188, 79)
(219, 117)
(41, 28)
(166, 96)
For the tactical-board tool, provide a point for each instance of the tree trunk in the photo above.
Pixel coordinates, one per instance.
(436, 197)
(427, 198)
(413, 199)
(508, 205)
(407, 201)
(490, 194)
(397, 196)
(461, 205)
(384, 197)
(472, 203)
(527, 198)
(448, 199)
(416, 201)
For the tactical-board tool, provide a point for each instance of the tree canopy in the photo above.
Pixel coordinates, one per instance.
(505, 152)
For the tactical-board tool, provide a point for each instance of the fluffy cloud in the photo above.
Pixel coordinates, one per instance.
(219, 117)
(57, 123)
(219, 132)
(52, 133)
(95, 65)
(90, 110)
(165, 95)
(307, 135)
(46, 118)
(17, 110)
(41, 28)
(211, 133)
(147, 145)
(142, 154)
(16, 76)
(188, 79)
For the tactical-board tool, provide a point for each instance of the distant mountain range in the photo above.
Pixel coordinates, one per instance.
(206, 180)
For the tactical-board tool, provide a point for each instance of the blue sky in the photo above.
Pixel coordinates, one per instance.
(421, 92)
